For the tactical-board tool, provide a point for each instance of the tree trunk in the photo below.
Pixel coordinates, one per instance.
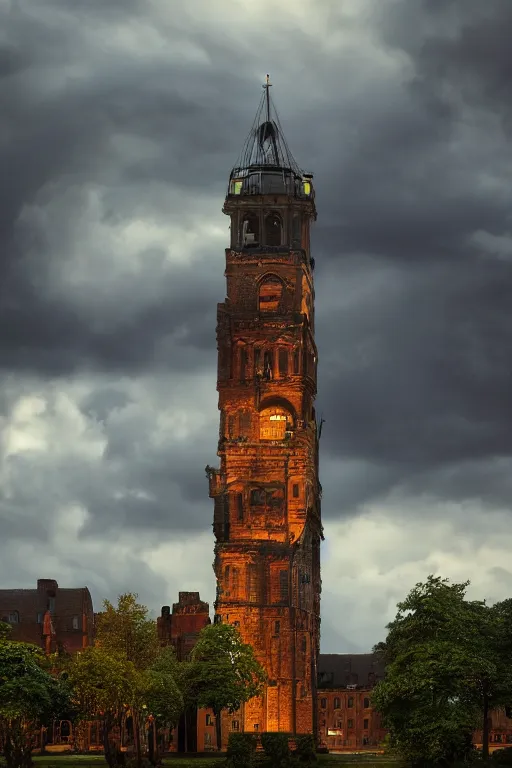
(485, 729)
(218, 729)
(136, 737)
(17, 745)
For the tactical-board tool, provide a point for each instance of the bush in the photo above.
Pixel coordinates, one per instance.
(241, 749)
(502, 757)
(305, 748)
(276, 748)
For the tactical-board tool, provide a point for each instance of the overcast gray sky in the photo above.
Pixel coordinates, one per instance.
(119, 123)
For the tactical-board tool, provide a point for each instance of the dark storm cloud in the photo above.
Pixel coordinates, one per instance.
(411, 159)
(414, 371)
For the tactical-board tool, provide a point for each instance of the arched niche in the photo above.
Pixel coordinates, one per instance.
(270, 294)
(276, 419)
(273, 229)
(296, 231)
(250, 229)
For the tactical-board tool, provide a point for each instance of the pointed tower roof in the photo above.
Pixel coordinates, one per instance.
(266, 164)
(266, 144)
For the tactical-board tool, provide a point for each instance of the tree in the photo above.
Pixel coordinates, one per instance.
(143, 675)
(224, 672)
(445, 670)
(161, 695)
(27, 693)
(127, 630)
(102, 685)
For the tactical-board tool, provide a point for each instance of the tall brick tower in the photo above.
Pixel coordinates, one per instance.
(267, 522)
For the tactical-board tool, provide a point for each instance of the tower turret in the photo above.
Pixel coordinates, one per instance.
(267, 521)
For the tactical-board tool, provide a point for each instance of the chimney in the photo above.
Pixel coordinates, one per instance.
(49, 586)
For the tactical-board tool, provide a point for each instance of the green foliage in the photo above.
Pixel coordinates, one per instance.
(305, 750)
(161, 693)
(445, 668)
(127, 631)
(101, 683)
(27, 693)
(276, 748)
(241, 750)
(5, 630)
(225, 672)
(502, 757)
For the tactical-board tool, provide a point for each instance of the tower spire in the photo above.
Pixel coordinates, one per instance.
(267, 86)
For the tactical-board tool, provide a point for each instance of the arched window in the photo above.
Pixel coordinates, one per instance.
(273, 229)
(366, 703)
(337, 702)
(270, 293)
(250, 229)
(274, 422)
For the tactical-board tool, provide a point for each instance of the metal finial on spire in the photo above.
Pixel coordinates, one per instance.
(267, 86)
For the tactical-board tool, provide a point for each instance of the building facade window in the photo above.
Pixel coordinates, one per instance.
(283, 362)
(273, 229)
(350, 702)
(366, 702)
(350, 724)
(270, 293)
(209, 720)
(14, 617)
(323, 703)
(240, 507)
(235, 725)
(75, 622)
(295, 490)
(337, 703)
(365, 724)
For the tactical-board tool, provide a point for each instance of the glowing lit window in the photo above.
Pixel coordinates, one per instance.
(236, 187)
(306, 186)
(270, 294)
(274, 423)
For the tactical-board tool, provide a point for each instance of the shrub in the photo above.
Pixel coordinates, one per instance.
(305, 748)
(502, 757)
(241, 749)
(276, 748)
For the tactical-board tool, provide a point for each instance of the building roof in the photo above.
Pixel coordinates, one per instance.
(266, 145)
(340, 670)
(30, 605)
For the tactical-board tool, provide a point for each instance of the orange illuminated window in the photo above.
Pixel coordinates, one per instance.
(270, 294)
(274, 422)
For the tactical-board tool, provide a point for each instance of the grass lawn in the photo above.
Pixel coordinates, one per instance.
(183, 761)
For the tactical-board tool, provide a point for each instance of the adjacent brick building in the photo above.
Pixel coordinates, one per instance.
(50, 616)
(345, 716)
(267, 523)
(196, 730)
